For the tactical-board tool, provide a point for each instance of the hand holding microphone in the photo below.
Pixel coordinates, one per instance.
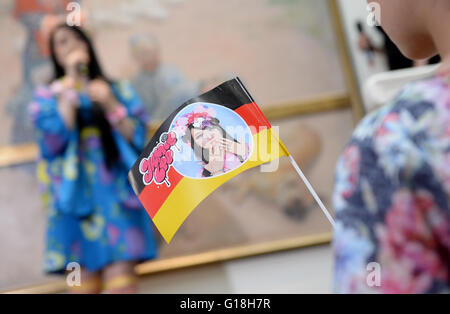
(77, 76)
(100, 92)
(67, 89)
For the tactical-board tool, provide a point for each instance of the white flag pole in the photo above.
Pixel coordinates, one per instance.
(314, 194)
(297, 168)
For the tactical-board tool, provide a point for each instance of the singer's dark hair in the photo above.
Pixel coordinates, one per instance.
(94, 72)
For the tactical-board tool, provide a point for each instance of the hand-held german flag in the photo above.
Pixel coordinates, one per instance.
(204, 143)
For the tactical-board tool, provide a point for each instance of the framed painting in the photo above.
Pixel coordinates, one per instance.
(293, 58)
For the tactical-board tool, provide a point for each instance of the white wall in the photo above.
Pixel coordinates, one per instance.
(307, 270)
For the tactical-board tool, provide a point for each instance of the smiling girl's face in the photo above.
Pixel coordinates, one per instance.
(67, 45)
(207, 138)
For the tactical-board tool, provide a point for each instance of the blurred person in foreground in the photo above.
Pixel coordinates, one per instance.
(392, 193)
(162, 88)
(90, 131)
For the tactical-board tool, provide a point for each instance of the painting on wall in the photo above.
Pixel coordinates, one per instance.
(172, 50)
(282, 49)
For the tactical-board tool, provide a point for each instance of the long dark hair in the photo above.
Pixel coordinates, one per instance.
(201, 152)
(99, 120)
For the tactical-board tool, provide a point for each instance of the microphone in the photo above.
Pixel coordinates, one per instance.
(82, 69)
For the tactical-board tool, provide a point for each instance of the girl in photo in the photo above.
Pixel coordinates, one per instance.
(218, 151)
(90, 130)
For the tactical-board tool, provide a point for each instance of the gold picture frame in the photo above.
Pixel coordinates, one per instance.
(16, 155)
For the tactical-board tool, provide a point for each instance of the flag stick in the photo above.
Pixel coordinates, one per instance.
(297, 168)
(314, 194)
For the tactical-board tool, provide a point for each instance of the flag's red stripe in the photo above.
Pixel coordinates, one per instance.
(154, 195)
(253, 116)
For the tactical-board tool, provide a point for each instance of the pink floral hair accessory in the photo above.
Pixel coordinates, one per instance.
(199, 118)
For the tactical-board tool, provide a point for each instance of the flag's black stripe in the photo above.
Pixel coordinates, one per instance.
(231, 94)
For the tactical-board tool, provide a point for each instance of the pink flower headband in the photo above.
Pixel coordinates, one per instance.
(200, 118)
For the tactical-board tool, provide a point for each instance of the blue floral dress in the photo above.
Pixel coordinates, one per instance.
(94, 217)
(392, 196)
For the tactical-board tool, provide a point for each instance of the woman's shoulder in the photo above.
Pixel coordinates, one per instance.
(43, 100)
(420, 105)
(409, 130)
(49, 91)
(429, 93)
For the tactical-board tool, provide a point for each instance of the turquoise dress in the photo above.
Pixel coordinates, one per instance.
(94, 217)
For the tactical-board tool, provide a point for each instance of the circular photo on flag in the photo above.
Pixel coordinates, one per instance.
(212, 140)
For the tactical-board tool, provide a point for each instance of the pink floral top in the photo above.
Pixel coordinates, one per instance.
(231, 162)
(392, 197)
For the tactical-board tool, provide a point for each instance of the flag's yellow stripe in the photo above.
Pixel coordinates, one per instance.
(190, 192)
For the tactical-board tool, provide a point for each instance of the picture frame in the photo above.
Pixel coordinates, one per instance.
(346, 105)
